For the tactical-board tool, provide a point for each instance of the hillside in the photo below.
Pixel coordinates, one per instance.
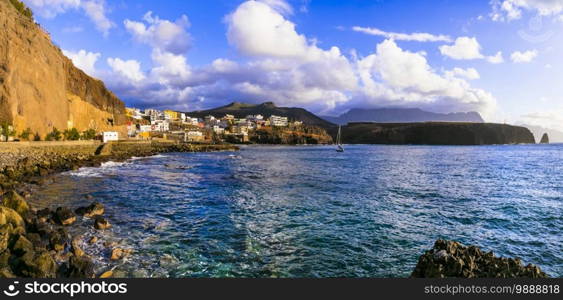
(41, 88)
(241, 110)
(436, 134)
(402, 115)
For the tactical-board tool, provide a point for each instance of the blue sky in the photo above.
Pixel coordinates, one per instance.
(501, 58)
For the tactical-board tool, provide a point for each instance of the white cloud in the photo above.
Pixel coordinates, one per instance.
(469, 73)
(257, 29)
(130, 69)
(463, 48)
(51, 8)
(393, 76)
(281, 6)
(466, 48)
(418, 36)
(548, 119)
(524, 57)
(162, 34)
(507, 10)
(95, 10)
(86, 61)
(496, 59)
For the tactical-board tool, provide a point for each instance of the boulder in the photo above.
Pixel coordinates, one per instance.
(452, 259)
(5, 232)
(57, 240)
(10, 216)
(94, 209)
(16, 202)
(80, 267)
(106, 274)
(75, 247)
(92, 240)
(119, 253)
(101, 223)
(44, 215)
(21, 246)
(64, 216)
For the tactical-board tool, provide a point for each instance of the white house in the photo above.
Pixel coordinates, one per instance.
(110, 136)
(278, 121)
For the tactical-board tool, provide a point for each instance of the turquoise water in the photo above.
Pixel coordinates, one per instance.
(312, 212)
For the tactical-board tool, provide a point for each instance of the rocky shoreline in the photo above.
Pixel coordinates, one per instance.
(37, 243)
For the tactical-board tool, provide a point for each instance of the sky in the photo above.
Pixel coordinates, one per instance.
(501, 58)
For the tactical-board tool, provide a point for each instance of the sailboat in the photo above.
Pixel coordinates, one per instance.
(339, 147)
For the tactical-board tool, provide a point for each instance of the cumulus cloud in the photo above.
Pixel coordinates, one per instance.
(524, 57)
(469, 73)
(463, 48)
(129, 69)
(496, 59)
(84, 60)
(466, 48)
(418, 36)
(95, 10)
(399, 77)
(507, 10)
(161, 34)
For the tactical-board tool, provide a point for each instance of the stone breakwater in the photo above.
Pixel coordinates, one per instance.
(31, 162)
(36, 242)
(452, 259)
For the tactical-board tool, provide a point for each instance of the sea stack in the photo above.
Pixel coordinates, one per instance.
(544, 139)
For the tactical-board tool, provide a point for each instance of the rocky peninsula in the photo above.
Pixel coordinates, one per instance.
(35, 242)
(436, 133)
(452, 259)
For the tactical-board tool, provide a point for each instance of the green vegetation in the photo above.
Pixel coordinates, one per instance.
(37, 137)
(26, 134)
(89, 134)
(71, 134)
(22, 8)
(55, 135)
(6, 131)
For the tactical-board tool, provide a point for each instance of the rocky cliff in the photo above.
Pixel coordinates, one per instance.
(41, 89)
(544, 139)
(436, 134)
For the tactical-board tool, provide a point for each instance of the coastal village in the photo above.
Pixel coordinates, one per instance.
(169, 124)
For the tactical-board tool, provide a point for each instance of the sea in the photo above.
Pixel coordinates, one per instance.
(308, 211)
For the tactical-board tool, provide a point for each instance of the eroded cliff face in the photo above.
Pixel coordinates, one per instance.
(41, 89)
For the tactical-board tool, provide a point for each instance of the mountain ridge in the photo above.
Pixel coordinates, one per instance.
(402, 115)
(267, 109)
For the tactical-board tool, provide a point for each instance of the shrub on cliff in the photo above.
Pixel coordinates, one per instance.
(71, 134)
(22, 8)
(26, 134)
(89, 134)
(55, 135)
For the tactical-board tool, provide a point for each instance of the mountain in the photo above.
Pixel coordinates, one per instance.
(402, 115)
(538, 131)
(241, 110)
(41, 89)
(436, 133)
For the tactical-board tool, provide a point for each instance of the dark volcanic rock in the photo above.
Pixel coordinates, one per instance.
(101, 223)
(544, 139)
(94, 209)
(452, 259)
(80, 267)
(64, 216)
